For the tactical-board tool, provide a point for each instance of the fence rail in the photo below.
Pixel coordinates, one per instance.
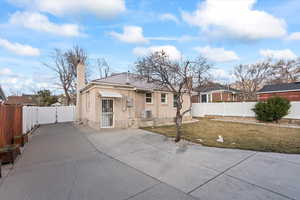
(236, 109)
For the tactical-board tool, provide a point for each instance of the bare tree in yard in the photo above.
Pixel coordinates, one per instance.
(177, 77)
(64, 66)
(251, 77)
(286, 71)
(203, 77)
(103, 68)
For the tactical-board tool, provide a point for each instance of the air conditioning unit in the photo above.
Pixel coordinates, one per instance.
(148, 114)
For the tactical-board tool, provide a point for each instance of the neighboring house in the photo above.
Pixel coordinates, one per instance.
(25, 100)
(290, 91)
(2, 95)
(216, 93)
(124, 100)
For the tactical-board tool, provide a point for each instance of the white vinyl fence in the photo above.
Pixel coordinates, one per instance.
(237, 109)
(33, 115)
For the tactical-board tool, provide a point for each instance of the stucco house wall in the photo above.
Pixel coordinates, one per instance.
(132, 116)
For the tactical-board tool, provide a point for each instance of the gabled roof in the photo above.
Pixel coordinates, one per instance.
(295, 86)
(128, 79)
(2, 95)
(215, 87)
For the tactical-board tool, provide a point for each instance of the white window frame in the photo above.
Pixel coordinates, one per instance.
(174, 100)
(149, 97)
(166, 98)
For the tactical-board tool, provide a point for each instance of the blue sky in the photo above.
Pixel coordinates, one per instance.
(227, 32)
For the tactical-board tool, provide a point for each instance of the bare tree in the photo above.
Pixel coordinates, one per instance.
(177, 77)
(75, 55)
(64, 66)
(103, 68)
(202, 73)
(285, 71)
(251, 77)
(63, 72)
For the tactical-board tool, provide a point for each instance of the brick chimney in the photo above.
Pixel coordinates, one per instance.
(80, 84)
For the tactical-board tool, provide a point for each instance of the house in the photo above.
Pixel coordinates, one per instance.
(124, 100)
(2, 95)
(290, 91)
(25, 100)
(216, 93)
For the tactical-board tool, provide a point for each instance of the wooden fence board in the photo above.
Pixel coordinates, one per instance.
(10, 124)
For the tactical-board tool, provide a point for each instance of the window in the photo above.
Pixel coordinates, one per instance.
(203, 98)
(163, 98)
(148, 97)
(175, 97)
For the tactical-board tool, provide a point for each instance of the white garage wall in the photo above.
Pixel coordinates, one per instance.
(33, 116)
(239, 109)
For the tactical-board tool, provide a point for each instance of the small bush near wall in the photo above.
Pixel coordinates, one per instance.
(272, 110)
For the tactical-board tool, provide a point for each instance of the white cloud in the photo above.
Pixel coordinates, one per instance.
(134, 34)
(101, 8)
(19, 49)
(278, 54)
(5, 71)
(169, 17)
(39, 22)
(131, 34)
(20, 83)
(235, 18)
(222, 75)
(294, 36)
(173, 53)
(217, 54)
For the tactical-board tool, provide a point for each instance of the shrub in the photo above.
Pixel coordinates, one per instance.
(272, 110)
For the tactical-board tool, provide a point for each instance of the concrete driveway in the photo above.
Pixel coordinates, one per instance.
(63, 162)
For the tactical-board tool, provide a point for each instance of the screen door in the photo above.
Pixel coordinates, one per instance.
(107, 113)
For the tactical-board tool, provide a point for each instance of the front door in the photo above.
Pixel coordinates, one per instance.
(107, 119)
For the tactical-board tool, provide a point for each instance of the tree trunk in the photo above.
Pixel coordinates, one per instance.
(178, 126)
(68, 98)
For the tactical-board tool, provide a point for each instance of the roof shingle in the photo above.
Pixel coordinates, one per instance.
(295, 86)
(129, 79)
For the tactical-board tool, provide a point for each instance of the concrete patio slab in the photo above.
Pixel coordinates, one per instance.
(107, 179)
(64, 162)
(50, 182)
(163, 192)
(273, 174)
(163, 166)
(51, 143)
(214, 158)
(118, 143)
(225, 187)
(294, 158)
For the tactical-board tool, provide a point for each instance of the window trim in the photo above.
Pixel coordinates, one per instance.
(174, 106)
(149, 97)
(166, 98)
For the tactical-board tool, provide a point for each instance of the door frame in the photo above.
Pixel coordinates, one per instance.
(113, 113)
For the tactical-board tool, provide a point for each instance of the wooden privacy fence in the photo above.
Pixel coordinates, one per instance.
(10, 124)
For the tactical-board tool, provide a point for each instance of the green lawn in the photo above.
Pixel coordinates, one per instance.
(237, 135)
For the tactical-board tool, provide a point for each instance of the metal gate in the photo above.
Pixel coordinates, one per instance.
(107, 119)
